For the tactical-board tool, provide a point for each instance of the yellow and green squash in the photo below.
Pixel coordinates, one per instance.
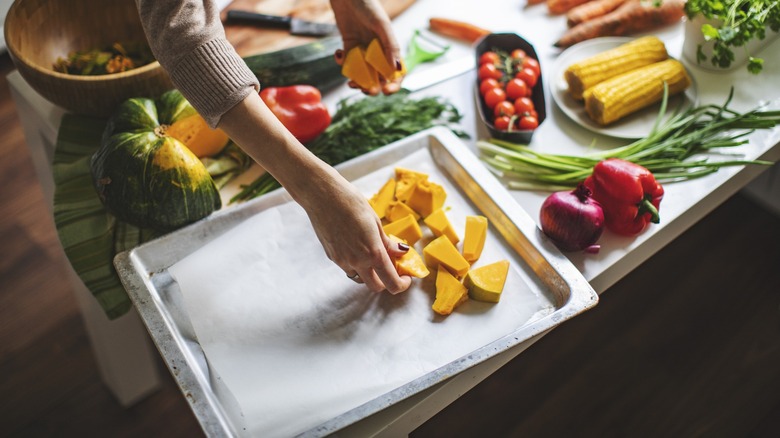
(146, 177)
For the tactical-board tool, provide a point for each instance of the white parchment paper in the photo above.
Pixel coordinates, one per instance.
(297, 343)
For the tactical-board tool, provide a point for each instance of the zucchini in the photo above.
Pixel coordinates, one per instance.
(311, 64)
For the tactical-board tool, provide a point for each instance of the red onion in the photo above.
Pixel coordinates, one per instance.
(572, 220)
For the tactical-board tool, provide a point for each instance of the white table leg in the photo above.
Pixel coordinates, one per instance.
(123, 349)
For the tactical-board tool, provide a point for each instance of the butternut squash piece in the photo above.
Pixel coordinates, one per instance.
(406, 228)
(398, 210)
(199, 138)
(440, 226)
(441, 251)
(474, 238)
(411, 263)
(406, 180)
(375, 57)
(357, 69)
(450, 293)
(487, 282)
(426, 198)
(382, 199)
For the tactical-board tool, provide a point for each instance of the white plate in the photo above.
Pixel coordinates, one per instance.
(634, 126)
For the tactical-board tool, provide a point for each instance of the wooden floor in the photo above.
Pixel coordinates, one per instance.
(687, 345)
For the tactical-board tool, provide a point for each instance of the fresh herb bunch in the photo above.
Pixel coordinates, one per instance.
(741, 22)
(364, 124)
(669, 151)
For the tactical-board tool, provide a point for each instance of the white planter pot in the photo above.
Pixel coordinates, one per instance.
(694, 38)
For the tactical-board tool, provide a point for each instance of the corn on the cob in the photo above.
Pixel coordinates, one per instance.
(637, 53)
(622, 95)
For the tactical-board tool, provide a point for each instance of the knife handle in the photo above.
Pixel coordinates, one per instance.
(274, 21)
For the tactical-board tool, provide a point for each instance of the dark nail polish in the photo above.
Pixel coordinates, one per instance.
(339, 54)
(403, 247)
(398, 65)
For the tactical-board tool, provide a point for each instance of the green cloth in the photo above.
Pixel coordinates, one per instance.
(90, 235)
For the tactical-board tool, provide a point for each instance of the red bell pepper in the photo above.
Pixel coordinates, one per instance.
(628, 193)
(299, 108)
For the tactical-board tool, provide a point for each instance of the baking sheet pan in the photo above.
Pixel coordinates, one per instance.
(144, 271)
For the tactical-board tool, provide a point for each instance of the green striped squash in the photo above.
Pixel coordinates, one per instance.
(148, 178)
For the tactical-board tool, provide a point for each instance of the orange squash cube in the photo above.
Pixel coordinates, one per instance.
(450, 293)
(382, 199)
(474, 238)
(406, 228)
(426, 198)
(441, 251)
(487, 282)
(440, 226)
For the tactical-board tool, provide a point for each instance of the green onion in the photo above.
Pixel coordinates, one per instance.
(668, 151)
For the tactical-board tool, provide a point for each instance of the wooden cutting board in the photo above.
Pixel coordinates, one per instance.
(253, 40)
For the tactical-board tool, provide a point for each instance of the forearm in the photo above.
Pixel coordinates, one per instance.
(260, 134)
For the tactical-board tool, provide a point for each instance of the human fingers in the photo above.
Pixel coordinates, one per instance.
(370, 279)
(395, 249)
(387, 274)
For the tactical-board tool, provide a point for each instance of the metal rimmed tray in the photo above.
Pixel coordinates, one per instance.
(156, 295)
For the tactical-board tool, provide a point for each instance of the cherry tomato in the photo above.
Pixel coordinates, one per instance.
(488, 84)
(533, 65)
(515, 89)
(489, 71)
(527, 75)
(502, 123)
(489, 58)
(494, 96)
(527, 123)
(524, 105)
(504, 108)
(518, 54)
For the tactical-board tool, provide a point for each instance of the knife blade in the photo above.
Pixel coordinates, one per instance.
(294, 25)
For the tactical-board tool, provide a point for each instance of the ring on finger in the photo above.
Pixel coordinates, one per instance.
(354, 276)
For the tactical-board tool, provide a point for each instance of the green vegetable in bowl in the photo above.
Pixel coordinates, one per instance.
(741, 21)
(115, 59)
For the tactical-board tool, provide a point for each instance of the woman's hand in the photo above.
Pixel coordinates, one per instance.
(352, 235)
(359, 22)
(347, 227)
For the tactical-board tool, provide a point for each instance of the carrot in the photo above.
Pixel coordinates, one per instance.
(633, 16)
(591, 10)
(457, 29)
(557, 7)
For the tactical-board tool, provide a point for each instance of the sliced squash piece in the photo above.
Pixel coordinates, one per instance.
(411, 263)
(398, 210)
(487, 282)
(426, 197)
(382, 199)
(474, 238)
(375, 57)
(450, 293)
(406, 180)
(440, 226)
(441, 251)
(406, 228)
(356, 69)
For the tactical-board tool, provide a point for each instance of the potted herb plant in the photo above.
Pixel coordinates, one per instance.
(729, 32)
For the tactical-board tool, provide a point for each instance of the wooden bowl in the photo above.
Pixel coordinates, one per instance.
(37, 32)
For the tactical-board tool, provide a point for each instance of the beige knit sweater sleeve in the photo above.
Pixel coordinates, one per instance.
(187, 38)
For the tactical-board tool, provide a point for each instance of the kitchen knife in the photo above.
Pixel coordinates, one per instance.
(295, 25)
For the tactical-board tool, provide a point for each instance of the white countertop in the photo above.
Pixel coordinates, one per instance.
(683, 205)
